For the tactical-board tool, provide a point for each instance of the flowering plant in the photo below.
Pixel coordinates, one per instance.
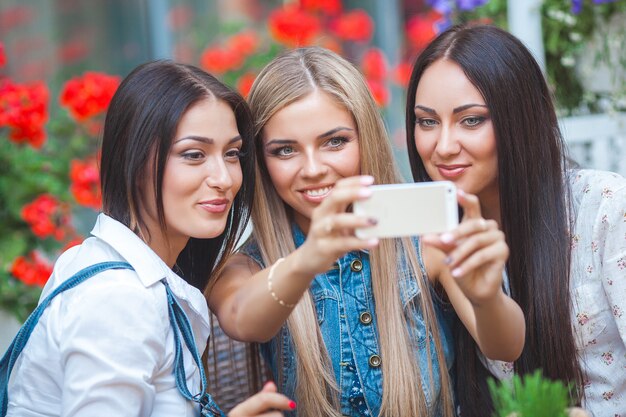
(49, 178)
(569, 27)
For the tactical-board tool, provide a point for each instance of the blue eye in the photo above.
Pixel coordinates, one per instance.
(283, 151)
(423, 122)
(337, 141)
(473, 121)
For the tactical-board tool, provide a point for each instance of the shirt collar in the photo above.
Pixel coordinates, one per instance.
(151, 269)
(149, 266)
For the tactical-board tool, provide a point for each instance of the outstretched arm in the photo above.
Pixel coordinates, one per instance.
(469, 263)
(251, 305)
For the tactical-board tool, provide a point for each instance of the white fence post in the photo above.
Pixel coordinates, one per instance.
(524, 19)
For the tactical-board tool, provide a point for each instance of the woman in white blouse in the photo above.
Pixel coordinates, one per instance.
(479, 113)
(177, 180)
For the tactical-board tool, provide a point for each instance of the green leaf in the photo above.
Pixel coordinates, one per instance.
(529, 396)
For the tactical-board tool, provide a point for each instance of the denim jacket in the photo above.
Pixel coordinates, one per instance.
(345, 311)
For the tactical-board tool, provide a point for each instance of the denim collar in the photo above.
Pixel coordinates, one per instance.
(298, 235)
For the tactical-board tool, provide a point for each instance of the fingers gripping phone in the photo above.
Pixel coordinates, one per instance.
(409, 209)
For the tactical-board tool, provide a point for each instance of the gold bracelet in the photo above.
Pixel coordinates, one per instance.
(270, 276)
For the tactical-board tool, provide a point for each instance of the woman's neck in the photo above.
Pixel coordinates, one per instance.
(166, 247)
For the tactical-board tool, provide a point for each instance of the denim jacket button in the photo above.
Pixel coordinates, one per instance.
(365, 317)
(375, 361)
(356, 265)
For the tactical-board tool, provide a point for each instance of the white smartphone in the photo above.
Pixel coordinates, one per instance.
(409, 209)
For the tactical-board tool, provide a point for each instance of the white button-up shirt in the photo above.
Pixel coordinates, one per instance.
(106, 347)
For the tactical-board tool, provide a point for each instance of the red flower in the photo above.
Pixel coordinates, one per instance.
(32, 270)
(331, 7)
(89, 95)
(179, 17)
(356, 26)
(244, 83)
(219, 60)
(293, 27)
(85, 179)
(379, 92)
(402, 74)
(374, 64)
(421, 29)
(243, 43)
(3, 57)
(47, 217)
(24, 110)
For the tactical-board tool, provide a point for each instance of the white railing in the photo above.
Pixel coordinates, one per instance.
(594, 141)
(597, 141)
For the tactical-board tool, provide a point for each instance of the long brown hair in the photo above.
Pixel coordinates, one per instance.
(285, 80)
(533, 200)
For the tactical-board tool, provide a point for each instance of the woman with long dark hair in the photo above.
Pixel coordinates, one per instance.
(479, 113)
(123, 321)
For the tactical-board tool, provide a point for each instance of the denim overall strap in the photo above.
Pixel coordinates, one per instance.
(180, 323)
(16, 347)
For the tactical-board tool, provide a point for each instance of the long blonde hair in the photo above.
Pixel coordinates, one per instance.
(285, 80)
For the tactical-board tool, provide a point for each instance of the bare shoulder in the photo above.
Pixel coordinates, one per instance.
(241, 262)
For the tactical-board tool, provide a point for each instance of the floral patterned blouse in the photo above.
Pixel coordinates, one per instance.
(598, 285)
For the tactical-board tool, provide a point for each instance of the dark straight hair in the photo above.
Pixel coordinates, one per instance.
(138, 132)
(534, 201)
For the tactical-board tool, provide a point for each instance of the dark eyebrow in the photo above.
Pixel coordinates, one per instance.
(467, 106)
(333, 131)
(323, 135)
(280, 142)
(208, 141)
(426, 109)
(454, 111)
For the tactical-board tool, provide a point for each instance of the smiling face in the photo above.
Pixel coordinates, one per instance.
(308, 146)
(454, 135)
(201, 178)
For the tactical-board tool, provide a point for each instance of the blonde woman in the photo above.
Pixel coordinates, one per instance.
(351, 327)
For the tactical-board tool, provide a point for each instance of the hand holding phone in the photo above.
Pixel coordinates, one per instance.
(409, 209)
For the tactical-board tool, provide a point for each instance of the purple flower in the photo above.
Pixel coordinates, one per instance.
(442, 24)
(467, 5)
(442, 6)
(577, 5)
(445, 7)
